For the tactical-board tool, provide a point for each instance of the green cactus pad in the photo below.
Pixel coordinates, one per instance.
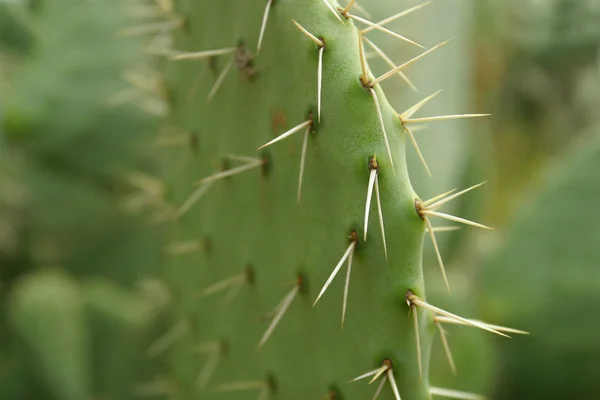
(252, 218)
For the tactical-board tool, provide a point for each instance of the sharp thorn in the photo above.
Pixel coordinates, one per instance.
(393, 71)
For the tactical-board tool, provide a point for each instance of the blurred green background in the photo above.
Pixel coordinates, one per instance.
(82, 114)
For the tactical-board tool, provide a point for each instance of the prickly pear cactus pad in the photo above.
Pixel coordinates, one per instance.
(295, 255)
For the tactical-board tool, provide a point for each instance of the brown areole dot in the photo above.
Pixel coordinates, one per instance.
(387, 363)
(244, 61)
(186, 26)
(302, 283)
(373, 164)
(366, 84)
(193, 141)
(207, 244)
(418, 208)
(266, 164)
(271, 382)
(278, 120)
(250, 274)
(354, 237)
(408, 296)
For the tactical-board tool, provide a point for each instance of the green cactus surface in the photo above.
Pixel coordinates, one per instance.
(249, 252)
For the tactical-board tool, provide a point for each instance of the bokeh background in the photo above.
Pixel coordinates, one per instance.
(82, 302)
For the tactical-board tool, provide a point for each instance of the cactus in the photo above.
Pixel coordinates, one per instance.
(295, 250)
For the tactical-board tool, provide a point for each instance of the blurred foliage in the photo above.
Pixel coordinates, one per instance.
(48, 312)
(539, 74)
(549, 269)
(74, 240)
(533, 62)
